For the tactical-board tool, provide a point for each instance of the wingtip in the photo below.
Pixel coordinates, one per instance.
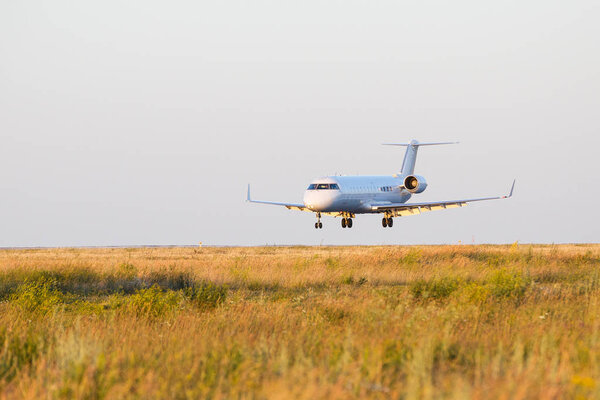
(512, 188)
(248, 195)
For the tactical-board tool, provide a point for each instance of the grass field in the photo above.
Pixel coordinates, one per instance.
(508, 322)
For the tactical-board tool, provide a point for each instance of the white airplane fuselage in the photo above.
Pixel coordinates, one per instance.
(354, 194)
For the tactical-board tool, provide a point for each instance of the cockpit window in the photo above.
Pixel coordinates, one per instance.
(323, 186)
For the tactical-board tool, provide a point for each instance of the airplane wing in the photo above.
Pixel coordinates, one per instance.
(289, 206)
(402, 209)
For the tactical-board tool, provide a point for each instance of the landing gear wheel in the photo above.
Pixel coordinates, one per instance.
(384, 222)
(320, 225)
(316, 225)
(343, 222)
(390, 222)
(349, 223)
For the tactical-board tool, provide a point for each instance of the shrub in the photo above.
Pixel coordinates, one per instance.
(436, 288)
(127, 271)
(40, 296)
(173, 280)
(475, 293)
(206, 295)
(152, 302)
(413, 256)
(508, 284)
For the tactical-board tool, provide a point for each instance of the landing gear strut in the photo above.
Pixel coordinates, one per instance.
(318, 224)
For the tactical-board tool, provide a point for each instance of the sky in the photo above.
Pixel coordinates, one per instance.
(142, 122)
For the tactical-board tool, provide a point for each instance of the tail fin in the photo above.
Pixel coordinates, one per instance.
(410, 157)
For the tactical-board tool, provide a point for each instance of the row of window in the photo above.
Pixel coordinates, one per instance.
(334, 186)
(323, 186)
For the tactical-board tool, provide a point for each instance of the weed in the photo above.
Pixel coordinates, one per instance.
(413, 256)
(332, 263)
(206, 295)
(172, 280)
(127, 271)
(152, 302)
(508, 284)
(334, 314)
(435, 288)
(40, 296)
(349, 280)
(17, 352)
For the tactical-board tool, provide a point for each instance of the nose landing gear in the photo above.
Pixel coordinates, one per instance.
(318, 224)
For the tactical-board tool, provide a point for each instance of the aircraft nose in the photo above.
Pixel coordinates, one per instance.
(309, 199)
(319, 200)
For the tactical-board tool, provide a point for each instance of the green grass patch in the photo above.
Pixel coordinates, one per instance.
(206, 295)
(40, 296)
(152, 302)
(435, 288)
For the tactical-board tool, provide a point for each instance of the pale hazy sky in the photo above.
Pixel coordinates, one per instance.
(141, 122)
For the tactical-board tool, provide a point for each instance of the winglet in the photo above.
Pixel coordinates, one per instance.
(512, 188)
(248, 196)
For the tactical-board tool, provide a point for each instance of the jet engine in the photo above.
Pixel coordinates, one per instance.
(415, 183)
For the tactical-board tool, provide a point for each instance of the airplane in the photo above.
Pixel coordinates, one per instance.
(347, 196)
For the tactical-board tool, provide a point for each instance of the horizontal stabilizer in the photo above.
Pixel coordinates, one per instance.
(410, 157)
(415, 143)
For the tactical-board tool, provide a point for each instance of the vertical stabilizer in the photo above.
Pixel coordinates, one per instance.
(410, 157)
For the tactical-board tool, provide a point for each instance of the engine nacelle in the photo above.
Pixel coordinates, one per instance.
(415, 184)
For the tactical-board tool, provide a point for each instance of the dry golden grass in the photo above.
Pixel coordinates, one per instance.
(508, 322)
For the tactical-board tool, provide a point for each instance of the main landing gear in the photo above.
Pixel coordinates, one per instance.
(346, 222)
(387, 221)
(318, 224)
